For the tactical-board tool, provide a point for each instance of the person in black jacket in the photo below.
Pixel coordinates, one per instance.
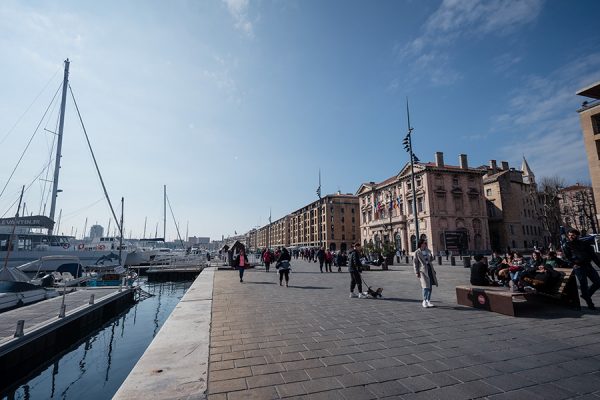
(283, 265)
(580, 255)
(321, 257)
(354, 267)
(479, 271)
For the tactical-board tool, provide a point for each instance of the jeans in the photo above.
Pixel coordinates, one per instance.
(241, 273)
(427, 293)
(282, 273)
(583, 273)
(355, 280)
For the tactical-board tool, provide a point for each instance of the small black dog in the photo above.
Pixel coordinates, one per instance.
(374, 293)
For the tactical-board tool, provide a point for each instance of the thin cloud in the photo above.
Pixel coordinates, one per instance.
(239, 12)
(541, 120)
(459, 19)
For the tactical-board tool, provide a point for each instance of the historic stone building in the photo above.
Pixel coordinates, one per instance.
(589, 115)
(513, 208)
(578, 208)
(449, 202)
(338, 224)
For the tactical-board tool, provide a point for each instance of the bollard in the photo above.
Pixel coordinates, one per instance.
(63, 310)
(467, 261)
(439, 260)
(20, 325)
(406, 259)
(398, 259)
(384, 266)
(452, 260)
(92, 299)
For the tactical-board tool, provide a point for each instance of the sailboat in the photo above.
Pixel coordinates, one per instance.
(32, 237)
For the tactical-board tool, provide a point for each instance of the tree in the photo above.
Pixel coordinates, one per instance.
(578, 208)
(547, 196)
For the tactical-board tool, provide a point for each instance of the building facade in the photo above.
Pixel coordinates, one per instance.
(578, 208)
(331, 222)
(513, 206)
(589, 116)
(449, 204)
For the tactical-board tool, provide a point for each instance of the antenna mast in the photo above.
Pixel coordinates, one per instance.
(59, 142)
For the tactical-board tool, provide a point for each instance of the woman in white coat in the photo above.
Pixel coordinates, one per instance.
(423, 263)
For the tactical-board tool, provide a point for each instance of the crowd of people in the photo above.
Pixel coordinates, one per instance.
(512, 269)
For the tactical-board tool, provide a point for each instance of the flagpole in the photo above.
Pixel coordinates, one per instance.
(319, 235)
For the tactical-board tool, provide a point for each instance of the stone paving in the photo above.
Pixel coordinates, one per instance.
(310, 341)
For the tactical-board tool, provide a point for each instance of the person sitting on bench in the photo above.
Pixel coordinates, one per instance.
(580, 255)
(495, 265)
(542, 278)
(479, 271)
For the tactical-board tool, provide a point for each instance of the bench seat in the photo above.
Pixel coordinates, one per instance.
(502, 300)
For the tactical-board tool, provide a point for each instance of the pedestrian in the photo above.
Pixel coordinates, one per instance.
(424, 271)
(241, 263)
(479, 271)
(580, 255)
(354, 267)
(267, 259)
(328, 260)
(284, 267)
(321, 258)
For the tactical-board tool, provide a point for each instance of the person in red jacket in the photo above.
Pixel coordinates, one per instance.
(267, 259)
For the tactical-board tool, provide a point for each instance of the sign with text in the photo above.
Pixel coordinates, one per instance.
(34, 221)
(456, 240)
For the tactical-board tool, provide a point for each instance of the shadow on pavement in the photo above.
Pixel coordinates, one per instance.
(310, 287)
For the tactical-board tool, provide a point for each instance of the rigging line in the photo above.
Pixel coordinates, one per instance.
(94, 158)
(46, 195)
(29, 143)
(31, 105)
(174, 221)
(73, 213)
(26, 189)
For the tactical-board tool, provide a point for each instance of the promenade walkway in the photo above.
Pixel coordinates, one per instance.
(310, 341)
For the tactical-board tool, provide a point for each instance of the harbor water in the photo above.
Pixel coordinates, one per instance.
(95, 367)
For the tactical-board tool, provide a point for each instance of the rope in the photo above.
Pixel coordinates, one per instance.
(95, 162)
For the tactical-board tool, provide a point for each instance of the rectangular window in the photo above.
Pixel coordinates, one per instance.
(598, 148)
(419, 204)
(596, 124)
(410, 207)
(488, 192)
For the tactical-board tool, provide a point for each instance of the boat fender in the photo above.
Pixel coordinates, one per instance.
(101, 247)
(66, 245)
(80, 246)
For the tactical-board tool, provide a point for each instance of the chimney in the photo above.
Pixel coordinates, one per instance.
(504, 165)
(439, 159)
(493, 166)
(463, 161)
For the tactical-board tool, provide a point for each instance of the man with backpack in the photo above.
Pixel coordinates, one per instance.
(354, 267)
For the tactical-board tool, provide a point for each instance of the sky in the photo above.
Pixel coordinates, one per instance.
(235, 105)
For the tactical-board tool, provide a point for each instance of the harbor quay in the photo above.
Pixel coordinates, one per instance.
(311, 341)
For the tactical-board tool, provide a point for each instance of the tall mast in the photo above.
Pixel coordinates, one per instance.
(59, 143)
(165, 213)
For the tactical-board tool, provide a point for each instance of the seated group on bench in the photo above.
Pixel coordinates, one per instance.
(538, 273)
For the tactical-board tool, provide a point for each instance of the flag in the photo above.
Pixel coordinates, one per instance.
(235, 232)
(319, 191)
(391, 204)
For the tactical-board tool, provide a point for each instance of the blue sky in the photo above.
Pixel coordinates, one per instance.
(236, 104)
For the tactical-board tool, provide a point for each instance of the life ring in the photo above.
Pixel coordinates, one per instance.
(101, 247)
(66, 245)
(80, 246)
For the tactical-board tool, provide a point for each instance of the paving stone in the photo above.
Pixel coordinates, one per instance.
(441, 379)
(358, 379)
(508, 382)
(267, 369)
(264, 380)
(323, 372)
(215, 366)
(580, 384)
(386, 389)
(290, 389)
(417, 383)
(246, 362)
(265, 393)
(321, 384)
(357, 393)
(229, 385)
(230, 374)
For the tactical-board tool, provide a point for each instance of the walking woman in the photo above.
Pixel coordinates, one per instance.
(241, 262)
(283, 265)
(425, 272)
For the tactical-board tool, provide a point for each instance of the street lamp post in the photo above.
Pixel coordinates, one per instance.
(407, 142)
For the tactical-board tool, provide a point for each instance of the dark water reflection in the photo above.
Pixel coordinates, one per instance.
(96, 367)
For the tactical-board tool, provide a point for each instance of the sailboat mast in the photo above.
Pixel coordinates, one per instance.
(165, 214)
(59, 142)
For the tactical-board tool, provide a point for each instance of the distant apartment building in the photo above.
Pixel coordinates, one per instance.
(589, 116)
(450, 208)
(513, 206)
(96, 231)
(198, 241)
(578, 208)
(335, 216)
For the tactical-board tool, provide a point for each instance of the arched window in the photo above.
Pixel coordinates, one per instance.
(413, 244)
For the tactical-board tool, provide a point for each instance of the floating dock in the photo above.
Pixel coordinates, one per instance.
(31, 335)
(173, 273)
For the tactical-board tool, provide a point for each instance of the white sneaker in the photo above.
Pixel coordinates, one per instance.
(362, 296)
(429, 304)
(424, 303)
(352, 295)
